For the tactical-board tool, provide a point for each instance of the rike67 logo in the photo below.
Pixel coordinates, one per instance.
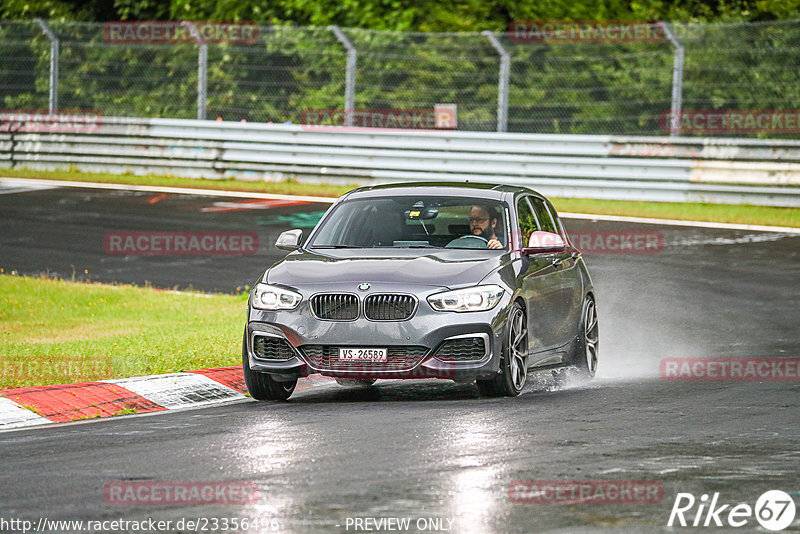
(774, 510)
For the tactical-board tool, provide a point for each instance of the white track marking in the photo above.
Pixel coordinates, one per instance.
(175, 391)
(178, 390)
(245, 194)
(159, 189)
(747, 238)
(9, 188)
(12, 415)
(675, 222)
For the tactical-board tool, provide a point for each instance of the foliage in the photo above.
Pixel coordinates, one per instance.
(588, 87)
(401, 15)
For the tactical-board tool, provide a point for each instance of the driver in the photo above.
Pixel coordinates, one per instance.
(482, 223)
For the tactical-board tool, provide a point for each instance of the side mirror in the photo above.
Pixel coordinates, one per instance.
(289, 240)
(543, 242)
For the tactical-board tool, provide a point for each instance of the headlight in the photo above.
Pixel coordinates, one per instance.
(478, 298)
(267, 297)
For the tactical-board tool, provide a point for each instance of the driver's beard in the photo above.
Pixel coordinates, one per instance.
(486, 234)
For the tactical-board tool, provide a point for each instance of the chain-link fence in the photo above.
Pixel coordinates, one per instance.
(498, 82)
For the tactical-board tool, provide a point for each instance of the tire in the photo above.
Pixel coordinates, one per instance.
(586, 355)
(355, 382)
(514, 361)
(262, 386)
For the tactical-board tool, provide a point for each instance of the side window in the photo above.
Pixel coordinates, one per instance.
(543, 216)
(559, 223)
(527, 220)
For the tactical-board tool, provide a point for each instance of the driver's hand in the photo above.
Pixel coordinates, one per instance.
(494, 243)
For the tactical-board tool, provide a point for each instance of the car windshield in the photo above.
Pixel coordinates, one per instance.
(411, 222)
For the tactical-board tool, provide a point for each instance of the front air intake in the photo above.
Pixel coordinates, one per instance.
(271, 348)
(464, 349)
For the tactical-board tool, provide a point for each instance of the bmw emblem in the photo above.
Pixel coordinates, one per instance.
(363, 286)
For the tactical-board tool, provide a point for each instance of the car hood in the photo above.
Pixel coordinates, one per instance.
(445, 268)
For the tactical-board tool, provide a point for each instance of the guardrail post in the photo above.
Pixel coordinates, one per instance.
(202, 81)
(350, 74)
(54, 50)
(677, 81)
(202, 72)
(502, 83)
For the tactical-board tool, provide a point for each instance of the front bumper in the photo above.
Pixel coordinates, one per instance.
(415, 345)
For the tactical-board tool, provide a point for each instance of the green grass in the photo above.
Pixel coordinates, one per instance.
(726, 213)
(55, 331)
(287, 187)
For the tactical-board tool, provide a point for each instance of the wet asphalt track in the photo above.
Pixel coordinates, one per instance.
(433, 449)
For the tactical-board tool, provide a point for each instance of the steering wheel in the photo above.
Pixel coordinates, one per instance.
(468, 241)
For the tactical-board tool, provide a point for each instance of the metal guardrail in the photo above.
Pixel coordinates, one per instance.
(735, 171)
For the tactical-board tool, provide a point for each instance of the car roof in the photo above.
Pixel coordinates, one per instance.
(467, 189)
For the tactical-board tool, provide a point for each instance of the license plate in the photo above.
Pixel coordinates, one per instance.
(362, 354)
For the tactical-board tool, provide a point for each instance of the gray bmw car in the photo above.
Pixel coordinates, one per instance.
(467, 282)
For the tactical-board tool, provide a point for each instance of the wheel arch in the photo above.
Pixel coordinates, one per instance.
(589, 293)
(521, 301)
